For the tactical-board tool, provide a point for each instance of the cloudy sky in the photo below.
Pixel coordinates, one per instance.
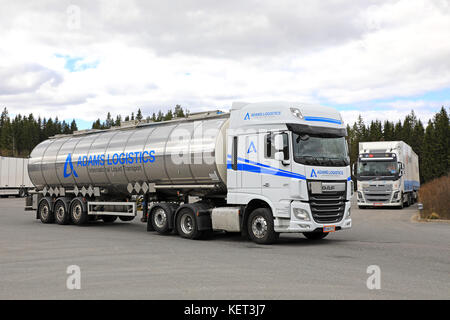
(81, 59)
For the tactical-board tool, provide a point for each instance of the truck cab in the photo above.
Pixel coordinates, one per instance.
(294, 159)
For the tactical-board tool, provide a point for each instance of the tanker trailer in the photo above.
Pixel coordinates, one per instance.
(262, 169)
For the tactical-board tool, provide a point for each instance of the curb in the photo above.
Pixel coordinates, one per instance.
(416, 218)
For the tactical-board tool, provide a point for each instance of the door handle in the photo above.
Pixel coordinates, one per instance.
(266, 185)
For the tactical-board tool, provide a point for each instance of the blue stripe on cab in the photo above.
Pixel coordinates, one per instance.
(321, 119)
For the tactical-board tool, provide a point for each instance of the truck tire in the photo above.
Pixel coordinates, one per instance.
(126, 218)
(45, 212)
(108, 219)
(402, 204)
(22, 193)
(62, 216)
(187, 224)
(315, 235)
(160, 219)
(78, 213)
(260, 226)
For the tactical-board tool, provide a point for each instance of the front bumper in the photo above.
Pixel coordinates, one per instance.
(296, 225)
(392, 198)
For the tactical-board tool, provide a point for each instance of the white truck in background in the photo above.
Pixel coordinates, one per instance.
(14, 179)
(387, 174)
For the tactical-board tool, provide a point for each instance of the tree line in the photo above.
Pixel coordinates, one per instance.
(19, 135)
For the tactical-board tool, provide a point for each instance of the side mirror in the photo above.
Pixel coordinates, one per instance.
(279, 156)
(278, 142)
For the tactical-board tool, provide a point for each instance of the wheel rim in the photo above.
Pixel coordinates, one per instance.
(60, 213)
(160, 218)
(259, 227)
(44, 211)
(187, 225)
(76, 212)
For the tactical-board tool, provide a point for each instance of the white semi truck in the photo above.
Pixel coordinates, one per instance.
(262, 169)
(387, 174)
(14, 180)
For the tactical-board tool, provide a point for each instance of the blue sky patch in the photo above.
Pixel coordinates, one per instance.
(75, 64)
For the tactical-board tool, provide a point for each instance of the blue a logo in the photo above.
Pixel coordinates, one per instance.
(313, 174)
(251, 148)
(72, 170)
(247, 117)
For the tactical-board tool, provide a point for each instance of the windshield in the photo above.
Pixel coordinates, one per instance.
(377, 168)
(317, 150)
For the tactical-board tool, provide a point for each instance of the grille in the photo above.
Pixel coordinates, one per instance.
(327, 207)
(377, 193)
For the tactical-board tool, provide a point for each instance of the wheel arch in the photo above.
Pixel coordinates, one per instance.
(249, 208)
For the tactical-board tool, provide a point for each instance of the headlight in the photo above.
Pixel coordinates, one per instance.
(301, 214)
(349, 213)
(296, 113)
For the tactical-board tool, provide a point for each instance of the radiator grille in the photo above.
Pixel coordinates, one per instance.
(327, 207)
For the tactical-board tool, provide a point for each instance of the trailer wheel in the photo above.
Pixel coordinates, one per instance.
(78, 214)
(61, 214)
(160, 220)
(22, 193)
(108, 219)
(315, 235)
(126, 218)
(45, 213)
(187, 224)
(260, 226)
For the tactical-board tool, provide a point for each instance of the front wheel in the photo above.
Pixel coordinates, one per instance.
(315, 235)
(260, 226)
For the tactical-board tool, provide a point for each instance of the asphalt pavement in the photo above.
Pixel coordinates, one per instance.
(124, 261)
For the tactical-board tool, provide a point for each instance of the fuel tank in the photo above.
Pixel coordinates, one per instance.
(185, 152)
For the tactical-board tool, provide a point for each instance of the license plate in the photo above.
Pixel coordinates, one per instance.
(329, 228)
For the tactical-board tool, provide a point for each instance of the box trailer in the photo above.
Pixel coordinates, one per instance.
(387, 174)
(262, 169)
(14, 179)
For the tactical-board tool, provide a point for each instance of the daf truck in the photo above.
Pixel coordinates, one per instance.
(261, 169)
(387, 174)
(14, 180)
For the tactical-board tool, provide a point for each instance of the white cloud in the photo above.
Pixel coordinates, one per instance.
(204, 55)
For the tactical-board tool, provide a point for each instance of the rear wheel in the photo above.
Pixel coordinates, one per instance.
(108, 219)
(45, 213)
(260, 226)
(187, 224)
(77, 212)
(126, 218)
(160, 220)
(315, 235)
(61, 214)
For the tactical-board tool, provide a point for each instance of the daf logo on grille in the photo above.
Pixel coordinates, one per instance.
(328, 188)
